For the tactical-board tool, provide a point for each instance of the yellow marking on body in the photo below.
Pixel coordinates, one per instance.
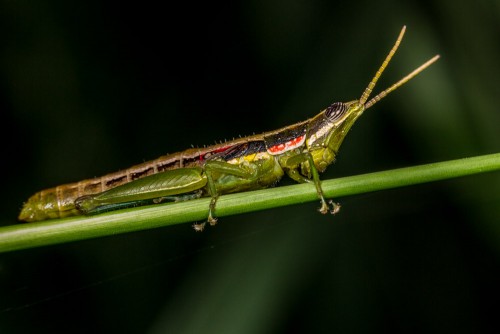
(250, 157)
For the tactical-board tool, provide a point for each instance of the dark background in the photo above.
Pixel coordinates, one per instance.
(90, 87)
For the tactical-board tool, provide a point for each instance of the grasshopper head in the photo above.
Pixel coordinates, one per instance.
(329, 128)
(340, 117)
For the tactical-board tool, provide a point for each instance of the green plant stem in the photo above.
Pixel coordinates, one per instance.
(22, 236)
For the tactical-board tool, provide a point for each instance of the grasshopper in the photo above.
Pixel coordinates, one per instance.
(301, 151)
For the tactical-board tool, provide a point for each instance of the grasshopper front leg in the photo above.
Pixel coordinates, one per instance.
(291, 166)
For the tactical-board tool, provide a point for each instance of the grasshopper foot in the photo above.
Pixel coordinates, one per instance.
(325, 207)
(212, 220)
(335, 207)
(199, 227)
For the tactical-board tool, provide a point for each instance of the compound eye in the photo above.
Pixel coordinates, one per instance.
(335, 111)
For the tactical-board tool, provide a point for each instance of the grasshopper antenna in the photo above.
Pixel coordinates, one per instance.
(371, 85)
(401, 82)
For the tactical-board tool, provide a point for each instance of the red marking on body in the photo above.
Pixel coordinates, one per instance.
(221, 149)
(287, 146)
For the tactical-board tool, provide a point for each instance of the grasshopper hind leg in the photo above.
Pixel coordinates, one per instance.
(87, 205)
(179, 198)
(90, 205)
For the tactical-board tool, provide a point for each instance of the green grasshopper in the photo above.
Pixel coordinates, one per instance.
(301, 151)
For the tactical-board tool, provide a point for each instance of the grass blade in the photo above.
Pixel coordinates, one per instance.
(22, 236)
